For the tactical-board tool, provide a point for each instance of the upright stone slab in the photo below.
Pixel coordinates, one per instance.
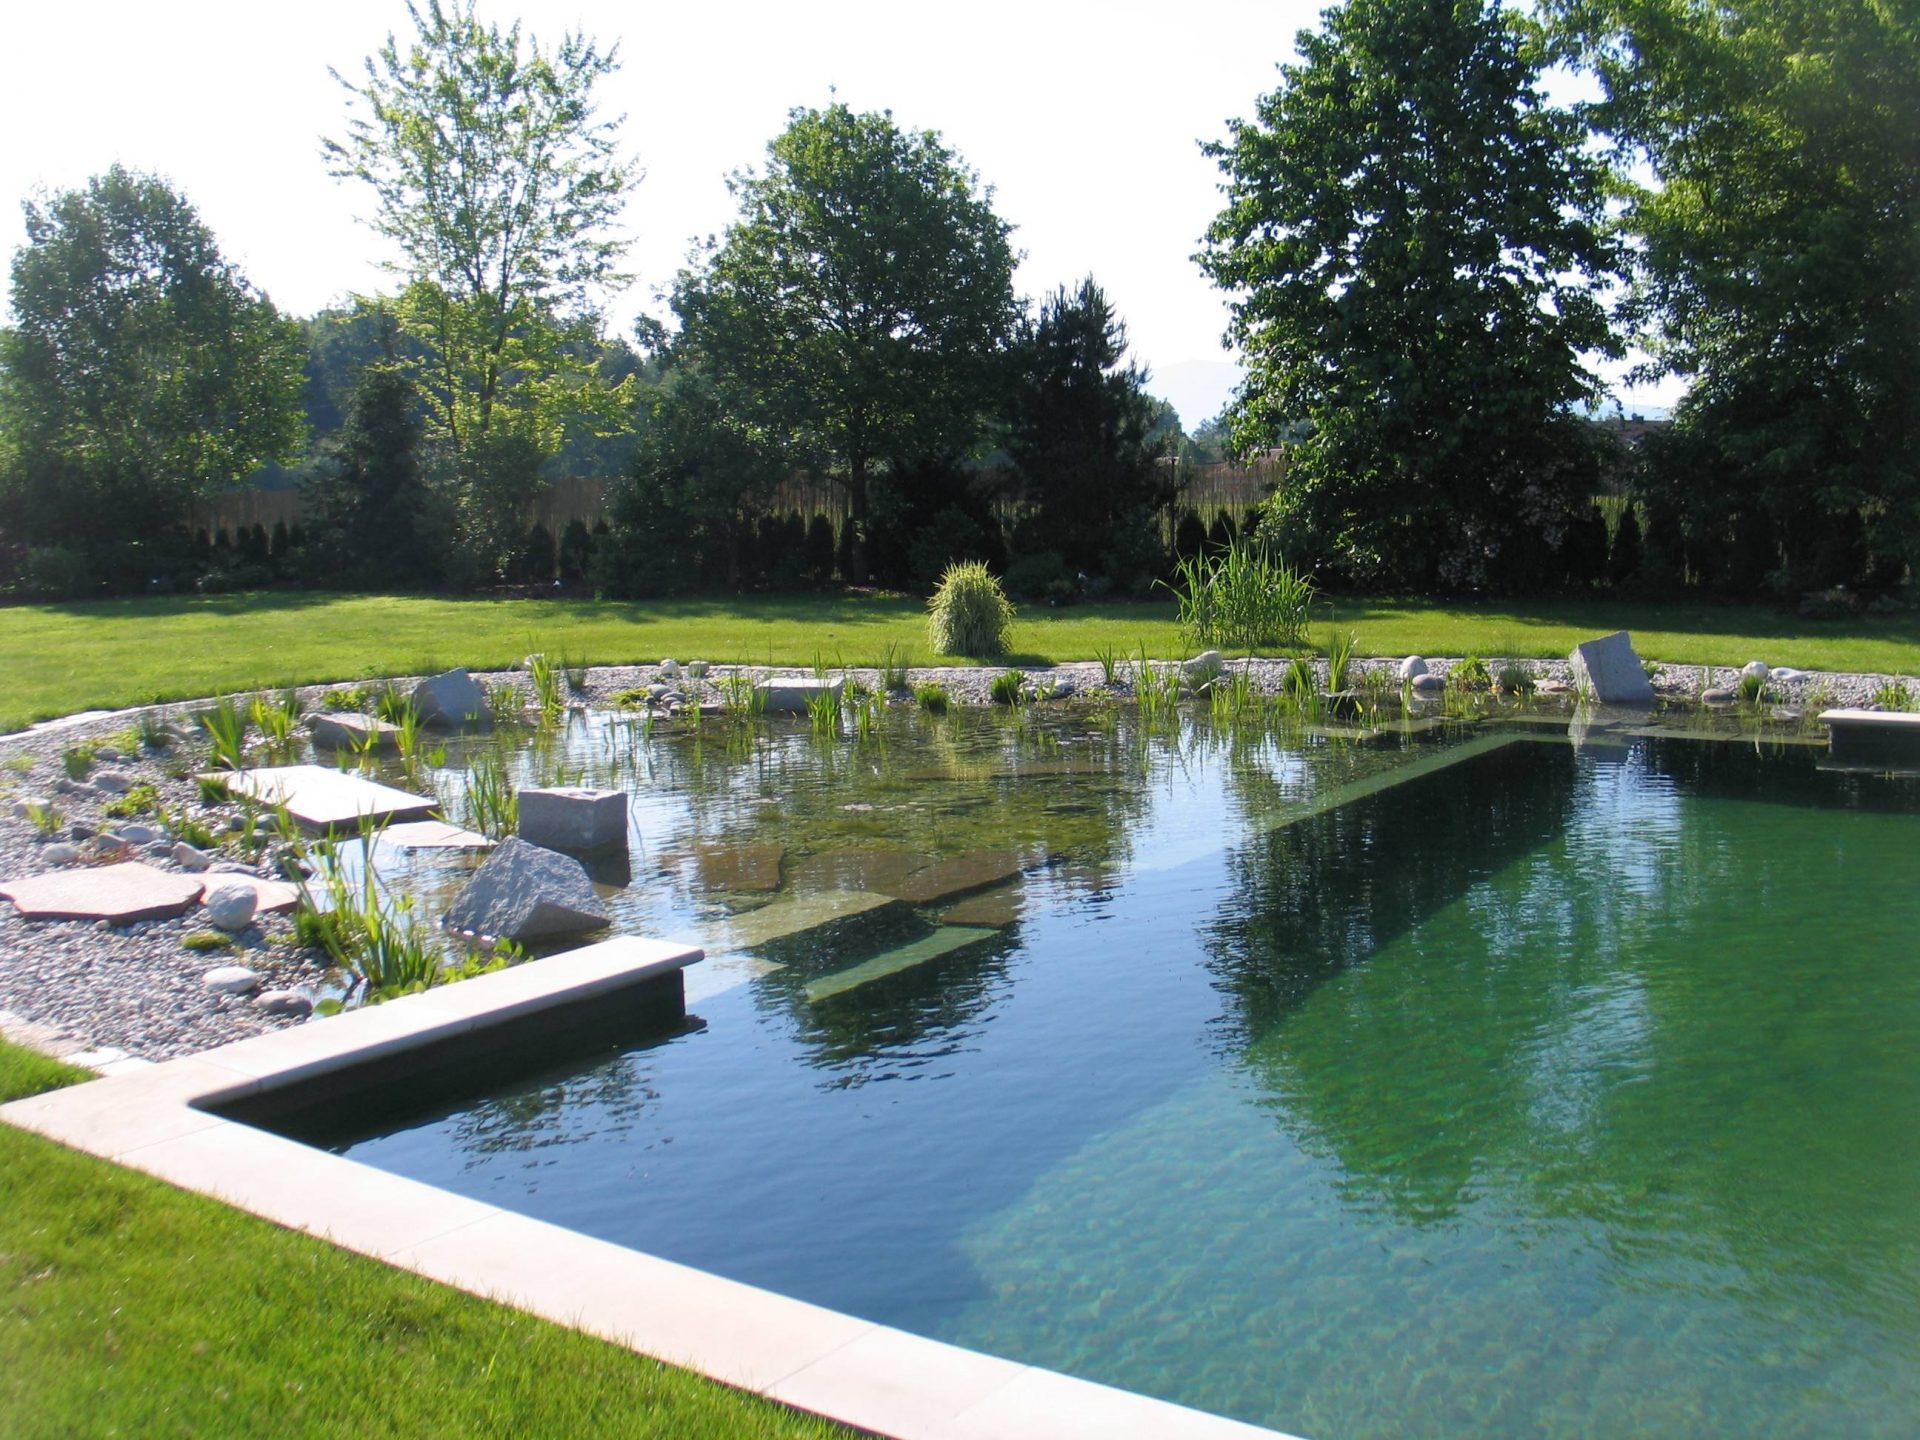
(567, 817)
(1609, 668)
(454, 698)
(526, 893)
(791, 695)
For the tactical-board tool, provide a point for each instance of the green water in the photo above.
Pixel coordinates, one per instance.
(1476, 1084)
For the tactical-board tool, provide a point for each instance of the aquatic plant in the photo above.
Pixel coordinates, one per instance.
(969, 613)
(1241, 598)
(545, 676)
(226, 728)
(1339, 651)
(1515, 679)
(1298, 684)
(1007, 687)
(894, 664)
(375, 938)
(1752, 689)
(823, 711)
(489, 803)
(1471, 673)
(740, 697)
(1894, 695)
(1109, 660)
(932, 697)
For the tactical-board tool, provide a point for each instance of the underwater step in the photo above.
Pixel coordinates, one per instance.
(944, 941)
(802, 918)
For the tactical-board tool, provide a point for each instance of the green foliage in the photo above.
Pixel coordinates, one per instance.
(1410, 239)
(370, 502)
(932, 697)
(1109, 659)
(1298, 684)
(1339, 651)
(1008, 688)
(142, 373)
(1894, 695)
(77, 761)
(1515, 680)
(203, 941)
(373, 936)
(1752, 689)
(894, 665)
(549, 699)
(1043, 576)
(45, 817)
(490, 804)
(969, 613)
(1775, 217)
(137, 799)
(54, 572)
(498, 179)
(151, 733)
(225, 724)
(857, 305)
(823, 710)
(1242, 598)
(1080, 432)
(1471, 673)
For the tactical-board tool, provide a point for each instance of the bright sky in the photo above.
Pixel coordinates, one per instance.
(1083, 117)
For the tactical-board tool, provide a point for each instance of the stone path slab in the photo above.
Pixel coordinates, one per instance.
(957, 875)
(323, 799)
(432, 835)
(998, 908)
(784, 919)
(857, 869)
(749, 869)
(943, 941)
(270, 896)
(118, 894)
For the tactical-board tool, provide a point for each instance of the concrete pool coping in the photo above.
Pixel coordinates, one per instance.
(154, 1118)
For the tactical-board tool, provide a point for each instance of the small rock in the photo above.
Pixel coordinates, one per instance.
(1789, 674)
(1204, 666)
(669, 668)
(60, 853)
(1427, 684)
(107, 752)
(284, 1002)
(137, 834)
(235, 825)
(1412, 668)
(231, 867)
(111, 846)
(231, 979)
(696, 669)
(230, 907)
(160, 849)
(78, 788)
(1723, 695)
(81, 830)
(1553, 687)
(114, 782)
(1755, 670)
(188, 858)
(23, 809)
(658, 691)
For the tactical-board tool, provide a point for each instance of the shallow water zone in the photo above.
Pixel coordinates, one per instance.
(1465, 1080)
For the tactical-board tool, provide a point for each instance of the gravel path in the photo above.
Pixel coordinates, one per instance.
(138, 988)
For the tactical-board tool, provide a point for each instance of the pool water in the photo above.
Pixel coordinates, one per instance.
(1552, 1091)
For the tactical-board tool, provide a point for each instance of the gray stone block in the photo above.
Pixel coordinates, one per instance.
(1611, 671)
(790, 695)
(524, 892)
(352, 732)
(574, 819)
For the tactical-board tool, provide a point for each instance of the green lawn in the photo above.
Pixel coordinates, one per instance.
(130, 1308)
(63, 658)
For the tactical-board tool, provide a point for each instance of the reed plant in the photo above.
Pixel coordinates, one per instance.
(823, 711)
(1339, 651)
(489, 803)
(895, 663)
(1242, 597)
(548, 701)
(45, 817)
(151, 730)
(226, 727)
(377, 939)
(932, 697)
(1894, 695)
(1008, 688)
(969, 614)
(1109, 659)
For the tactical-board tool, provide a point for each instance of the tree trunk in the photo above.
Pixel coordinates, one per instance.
(857, 515)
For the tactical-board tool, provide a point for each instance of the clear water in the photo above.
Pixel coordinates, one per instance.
(1552, 1092)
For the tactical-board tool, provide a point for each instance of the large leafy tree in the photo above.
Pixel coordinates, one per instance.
(1412, 238)
(500, 182)
(1778, 248)
(142, 373)
(1083, 434)
(857, 308)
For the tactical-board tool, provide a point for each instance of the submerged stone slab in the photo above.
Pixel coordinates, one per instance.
(958, 875)
(569, 817)
(523, 892)
(1890, 736)
(323, 799)
(802, 915)
(454, 698)
(432, 835)
(270, 897)
(1609, 668)
(118, 894)
(943, 941)
(742, 868)
(353, 732)
(857, 869)
(998, 908)
(791, 695)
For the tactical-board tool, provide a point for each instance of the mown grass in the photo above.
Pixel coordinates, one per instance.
(130, 1308)
(109, 654)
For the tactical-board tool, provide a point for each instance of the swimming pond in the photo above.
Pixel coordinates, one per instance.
(1463, 1079)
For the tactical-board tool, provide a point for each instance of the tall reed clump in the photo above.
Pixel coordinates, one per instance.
(226, 726)
(1242, 597)
(548, 697)
(380, 942)
(490, 804)
(969, 613)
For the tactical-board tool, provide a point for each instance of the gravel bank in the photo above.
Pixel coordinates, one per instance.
(138, 988)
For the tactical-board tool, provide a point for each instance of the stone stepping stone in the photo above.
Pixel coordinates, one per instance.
(943, 941)
(957, 875)
(785, 919)
(118, 894)
(432, 835)
(353, 732)
(323, 799)
(742, 868)
(270, 896)
(857, 869)
(998, 908)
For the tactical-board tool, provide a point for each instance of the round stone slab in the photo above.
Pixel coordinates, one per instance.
(117, 894)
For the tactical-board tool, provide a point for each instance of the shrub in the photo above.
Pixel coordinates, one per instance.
(950, 539)
(576, 550)
(969, 613)
(1032, 577)
(1623, 563)
(819, 549)
(52, 572)
(1241, 598)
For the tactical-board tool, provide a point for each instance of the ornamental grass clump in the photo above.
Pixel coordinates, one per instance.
(1242, 597)
(969, 613)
